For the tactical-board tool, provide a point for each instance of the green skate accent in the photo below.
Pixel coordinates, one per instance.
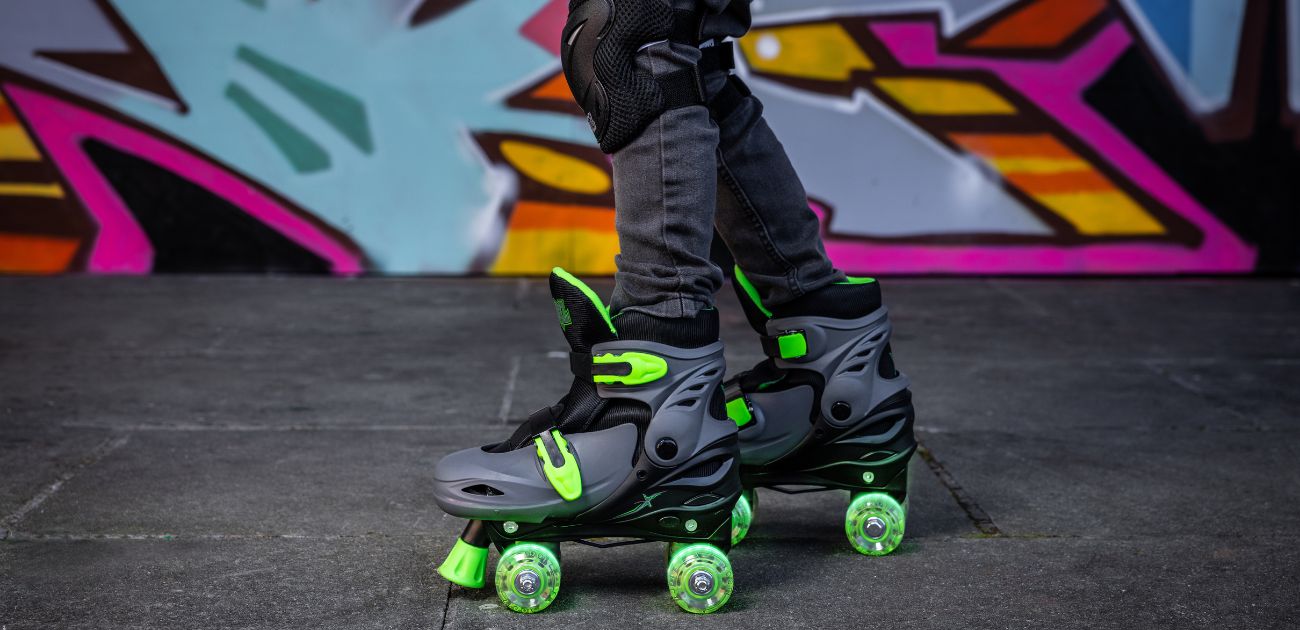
(700, 579)
(765, 385)
(738, 410)
(466, 565)
(528, 577)
(591, 295)
(562, 311)
(852, 280)
(646, 500)
(792, 345)
(742, 516)
(646, 368)
(750, 291)
(565, 478)
(874, 523)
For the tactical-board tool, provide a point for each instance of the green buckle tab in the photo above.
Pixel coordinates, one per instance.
(642, 368)
(738, 411)
(792, 344)
(565, 478)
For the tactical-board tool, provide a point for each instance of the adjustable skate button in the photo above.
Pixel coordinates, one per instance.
(666, 448)
(670, 522)
(841, 411)
(628, 368)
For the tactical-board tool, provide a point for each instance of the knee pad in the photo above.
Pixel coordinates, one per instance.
(598, 52)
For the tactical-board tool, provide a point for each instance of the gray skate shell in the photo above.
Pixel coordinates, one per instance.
(680, 398)
(781, 422)
(847, 353)
(680, 402)
(604, 457)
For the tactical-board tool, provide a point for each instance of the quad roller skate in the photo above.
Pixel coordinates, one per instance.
(640, 449)
(827, 410)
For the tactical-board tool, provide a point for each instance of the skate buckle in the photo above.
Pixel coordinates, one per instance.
(792, 344)
(641, 368)
(565, 478)
(739, 411)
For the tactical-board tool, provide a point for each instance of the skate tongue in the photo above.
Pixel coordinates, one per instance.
(583, 316)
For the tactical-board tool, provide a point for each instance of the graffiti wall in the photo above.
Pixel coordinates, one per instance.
(438, 136)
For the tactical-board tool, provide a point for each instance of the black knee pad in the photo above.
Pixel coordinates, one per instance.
(598, 50)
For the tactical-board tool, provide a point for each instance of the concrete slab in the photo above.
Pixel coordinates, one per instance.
(253, 452)
(1115, 483)
(805, 582)
(299, 483)
(357, 582)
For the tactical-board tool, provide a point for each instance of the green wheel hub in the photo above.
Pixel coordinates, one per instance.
(528, 577)
(874, 523)
(742, 515)
(699, 577)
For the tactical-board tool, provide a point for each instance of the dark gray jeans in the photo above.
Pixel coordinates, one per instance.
(687, 174)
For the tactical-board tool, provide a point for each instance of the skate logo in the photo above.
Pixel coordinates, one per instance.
(646, 500)
(566, 318)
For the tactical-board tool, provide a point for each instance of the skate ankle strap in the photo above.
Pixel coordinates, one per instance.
(580, 364)
(788, 344)
(558, 464)
(627, 368)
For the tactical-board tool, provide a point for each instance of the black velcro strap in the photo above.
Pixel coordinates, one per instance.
(771, 346)
(729, 98)
(681, 88)
(731, 390)
(580, 364)
(687, 25)
(720, 57)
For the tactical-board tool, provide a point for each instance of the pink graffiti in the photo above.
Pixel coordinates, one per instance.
(545, 26)
(121, 245)
(1057, 87)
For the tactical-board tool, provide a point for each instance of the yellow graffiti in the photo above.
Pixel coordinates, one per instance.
(945, 97)
(537, 251)
(30, 190)
(15, 145)
(813, 51)
(1039, 165)
(1110, 213)
(555, 169)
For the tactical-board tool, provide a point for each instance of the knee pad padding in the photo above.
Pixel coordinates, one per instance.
(598, 52)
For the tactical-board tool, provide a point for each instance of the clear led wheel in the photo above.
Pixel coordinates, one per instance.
(528, 577)
(699, 577)
(742, 515)
(874, 523)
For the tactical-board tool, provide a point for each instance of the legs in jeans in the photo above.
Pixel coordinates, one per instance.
(687, 173)
(664, 195)
(763, 214)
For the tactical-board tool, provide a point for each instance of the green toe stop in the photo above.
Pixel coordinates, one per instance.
(466, 565)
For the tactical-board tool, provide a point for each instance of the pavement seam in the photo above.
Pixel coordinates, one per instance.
(1208, 397)
(96, 454)
(446, 607)
(511, 382)
(978, 517)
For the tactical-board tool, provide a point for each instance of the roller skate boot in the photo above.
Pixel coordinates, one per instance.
(640, 449)
(827, 410)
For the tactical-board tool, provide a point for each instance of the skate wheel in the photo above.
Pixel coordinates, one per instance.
(874, 523)
(528, 577)
(742, 516)
(699, 577)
